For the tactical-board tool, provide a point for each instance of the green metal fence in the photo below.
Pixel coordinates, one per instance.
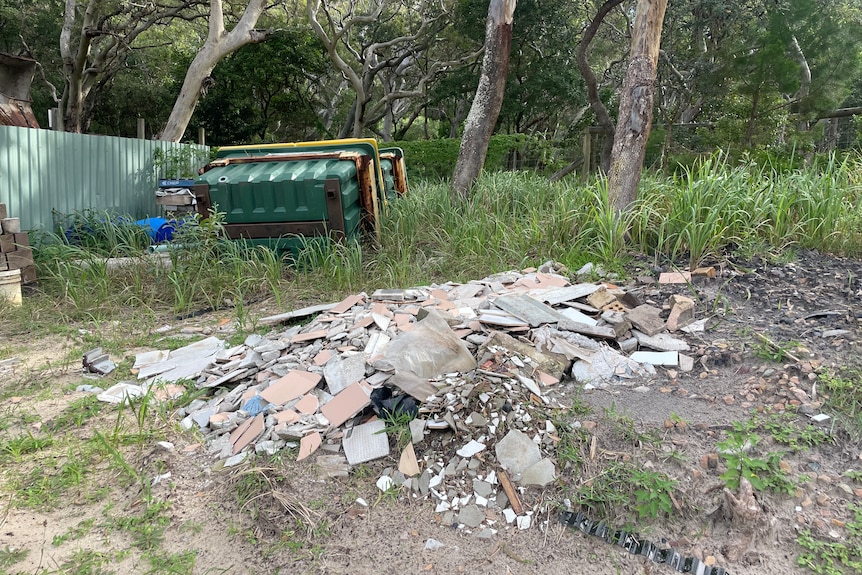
(46, 175)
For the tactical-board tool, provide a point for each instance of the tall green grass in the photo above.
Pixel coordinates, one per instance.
(512, 220)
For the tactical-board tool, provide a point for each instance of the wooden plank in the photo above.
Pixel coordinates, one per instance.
(514, 500)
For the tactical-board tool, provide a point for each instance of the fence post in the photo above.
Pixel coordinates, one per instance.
(202, 140)
(142, 129)
(586, 150)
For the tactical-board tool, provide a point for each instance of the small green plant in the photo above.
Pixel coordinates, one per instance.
(77, 532)
(784, 429)
(834, 557)
(843, 395)
(15, 449)
(773, 351)
(648, 494)
(147, 530)
(182, 563)
(78, 412)
(11, 555)
(762, 473)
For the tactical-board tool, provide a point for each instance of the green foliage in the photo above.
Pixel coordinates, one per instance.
(179, 162)
(626, 486)
(764, 473)
(11, 555)
(834, 557)
(147, 530)
(843, 393)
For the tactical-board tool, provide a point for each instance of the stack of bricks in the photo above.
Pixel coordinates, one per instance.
(15, 250)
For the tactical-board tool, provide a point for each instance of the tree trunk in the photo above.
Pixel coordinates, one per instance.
(218, 44)
(635, 116)
(488, 99)
(599, 109)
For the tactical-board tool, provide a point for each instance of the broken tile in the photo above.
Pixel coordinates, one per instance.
(308, 445)
(665, 358)
(365, 442)
(347, 303)
(674, 277)
(471, 449)
(471, 516)
(121, 392)
(686, 363)
(308, 405)
(312, 335)
(707, 272)
(291, 386)
(247, 432)
(322, 357)
(407, 464)
(350, 401)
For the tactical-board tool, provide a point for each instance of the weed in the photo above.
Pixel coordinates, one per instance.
(619, 486)
(774, 351)
(784, 430)
(77, 532)
(843, 395)
(834, 557)
(182, 563)
(87, 562)
(762, 473)
(77, 413)
(11, 555)
(15, 449)
(146, 530)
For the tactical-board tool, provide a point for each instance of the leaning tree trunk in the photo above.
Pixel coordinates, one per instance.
(599, 109)
(488, 99)
(218, 44)
(635, 116)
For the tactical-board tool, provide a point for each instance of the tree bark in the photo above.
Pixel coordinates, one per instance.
(599, 109)
(636, 103)
(488, 99)
(218, 44)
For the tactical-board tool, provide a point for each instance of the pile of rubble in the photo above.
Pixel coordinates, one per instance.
(475, 363)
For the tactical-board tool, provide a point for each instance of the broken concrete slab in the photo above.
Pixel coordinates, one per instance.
(528, 309)
(596, 331)
(600, 298)
(547, 361)
(339, 372)
(517, 452)
(567, 294)
(296, 314)
(540, 473)
(366, 442)
(646, 318)
(660, 342)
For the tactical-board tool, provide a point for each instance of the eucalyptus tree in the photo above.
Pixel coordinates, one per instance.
(385, 50)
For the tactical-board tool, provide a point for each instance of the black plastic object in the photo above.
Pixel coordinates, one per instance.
(636, 546)
(388, 406)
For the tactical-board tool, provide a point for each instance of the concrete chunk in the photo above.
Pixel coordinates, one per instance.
(646, 319)
(517, 452)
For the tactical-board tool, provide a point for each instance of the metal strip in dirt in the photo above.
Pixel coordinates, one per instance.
(637, 546)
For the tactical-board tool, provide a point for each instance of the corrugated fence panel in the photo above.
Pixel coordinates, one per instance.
(46, 175)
